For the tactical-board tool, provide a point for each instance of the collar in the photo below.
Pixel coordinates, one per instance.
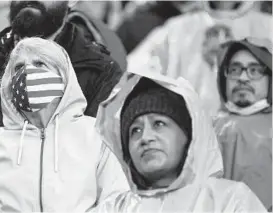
(250, 110)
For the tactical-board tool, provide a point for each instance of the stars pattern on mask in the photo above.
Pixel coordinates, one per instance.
(19, 93)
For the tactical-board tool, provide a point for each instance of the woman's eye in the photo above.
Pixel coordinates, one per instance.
(159, 124)
(135, 130)
(39, 64)
(18, 67)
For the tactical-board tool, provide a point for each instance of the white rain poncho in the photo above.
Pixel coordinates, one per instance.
(199, 187)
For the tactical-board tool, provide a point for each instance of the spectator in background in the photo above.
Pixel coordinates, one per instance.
(266, 6)
(51, 158)
(145, 17)
(187, 45)
(168, 149)
(82, 15)
(4, 14)
(244, 126)
(97, 72)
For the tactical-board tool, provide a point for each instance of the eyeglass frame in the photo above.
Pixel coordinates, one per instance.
(245, 69)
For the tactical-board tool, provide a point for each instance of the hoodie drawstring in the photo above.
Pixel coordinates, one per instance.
(56, 151)
(20, 149)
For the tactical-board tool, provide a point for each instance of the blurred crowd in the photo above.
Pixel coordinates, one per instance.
(136, 106)
(116, 13)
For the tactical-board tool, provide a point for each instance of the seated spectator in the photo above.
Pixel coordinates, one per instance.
(244, 126)
(168, 150)
(137, 24)
(96, 71)
(83, 16)
(266, 6)
(187, 45)
(51, 158)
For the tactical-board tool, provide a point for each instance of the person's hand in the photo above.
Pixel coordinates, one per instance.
(210, 51)
(214, 38)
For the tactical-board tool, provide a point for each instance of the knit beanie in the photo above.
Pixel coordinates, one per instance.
(150, 97)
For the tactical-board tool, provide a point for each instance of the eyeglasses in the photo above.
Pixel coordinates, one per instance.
(253, 71)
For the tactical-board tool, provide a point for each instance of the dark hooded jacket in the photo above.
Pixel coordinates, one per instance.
(96, 70)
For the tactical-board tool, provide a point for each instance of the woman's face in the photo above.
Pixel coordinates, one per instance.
(31, 60)
(37, 94)
(156, 146)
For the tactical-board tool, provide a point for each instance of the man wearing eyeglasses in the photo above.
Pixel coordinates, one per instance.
(244, 126)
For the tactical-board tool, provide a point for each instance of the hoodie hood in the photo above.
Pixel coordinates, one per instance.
(243, 7)
(260, 48)
(204, 159)
(72, 104)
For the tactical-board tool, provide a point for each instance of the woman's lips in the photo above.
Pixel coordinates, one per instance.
(150, 151)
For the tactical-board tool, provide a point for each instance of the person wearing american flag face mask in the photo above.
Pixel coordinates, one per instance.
(51, 158)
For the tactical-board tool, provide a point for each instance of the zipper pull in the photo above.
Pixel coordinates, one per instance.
(42, 134)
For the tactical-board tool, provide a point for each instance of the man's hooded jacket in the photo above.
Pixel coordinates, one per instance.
(246, 140)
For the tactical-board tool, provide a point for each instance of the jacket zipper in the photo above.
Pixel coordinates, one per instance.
(41, 170)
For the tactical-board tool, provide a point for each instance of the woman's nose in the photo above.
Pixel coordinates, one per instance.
(148, 135)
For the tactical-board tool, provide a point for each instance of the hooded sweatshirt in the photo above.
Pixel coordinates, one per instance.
(63, 167)
(246, 142)
(96, 70)
(198, 187)
(178, 45)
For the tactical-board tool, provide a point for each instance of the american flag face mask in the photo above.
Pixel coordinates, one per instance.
(34, 88)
